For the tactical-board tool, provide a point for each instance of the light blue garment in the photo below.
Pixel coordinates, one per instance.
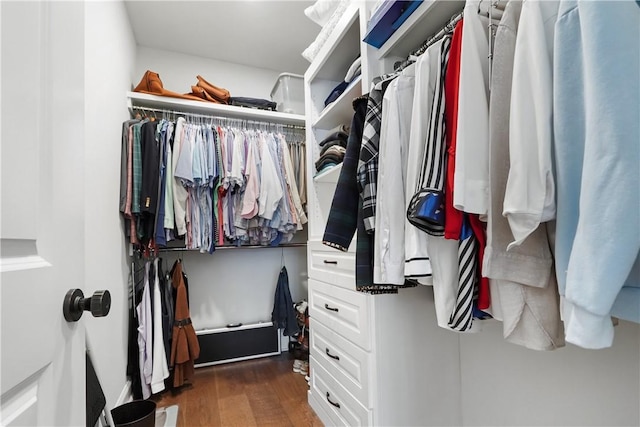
(597, 149)
(196, 162)
(184, 165)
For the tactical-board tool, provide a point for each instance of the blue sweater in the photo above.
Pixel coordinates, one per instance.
(597, 154)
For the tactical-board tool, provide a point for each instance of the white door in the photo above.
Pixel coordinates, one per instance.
(42, 364)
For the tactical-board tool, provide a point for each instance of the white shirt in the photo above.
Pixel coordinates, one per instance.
(471, 179)
(390, 212)
(417, 264)
(530, 194)
(160, 369)
(270, 188)
(179, 192)
(145, 336)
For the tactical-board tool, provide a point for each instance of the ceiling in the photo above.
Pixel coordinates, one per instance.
(258, 33)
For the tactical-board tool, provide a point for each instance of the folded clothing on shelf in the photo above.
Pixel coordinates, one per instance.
(339, 142)
(340, 132)
(321, 11)
(261, 104)
(352, 74)
(312, 50)
(334, 154)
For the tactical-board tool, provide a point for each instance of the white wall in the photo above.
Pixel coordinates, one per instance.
(507, 385)
(178, 73)
(238, 285)
(109, 61)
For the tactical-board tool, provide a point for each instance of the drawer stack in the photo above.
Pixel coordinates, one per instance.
(341, 340)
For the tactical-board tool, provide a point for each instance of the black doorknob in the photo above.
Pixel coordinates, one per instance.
(75, 304)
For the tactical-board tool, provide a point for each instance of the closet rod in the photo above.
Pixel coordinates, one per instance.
(220, 118)
(286, 245)
(446, 29)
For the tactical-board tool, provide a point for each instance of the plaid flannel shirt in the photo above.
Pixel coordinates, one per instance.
(368, 162)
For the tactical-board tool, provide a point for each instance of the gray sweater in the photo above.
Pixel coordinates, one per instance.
(524, 283)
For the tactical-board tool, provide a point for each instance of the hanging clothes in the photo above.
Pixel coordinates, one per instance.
(136, 285)
(213, 185)
(347, 213)
(596, 129)
(442, 252)
(149, 185)
(160, 370)
(185, 348)
(389, 260)
(283, 314)
(524, 293)
(145, 335)
(529, 199)
(471, 145)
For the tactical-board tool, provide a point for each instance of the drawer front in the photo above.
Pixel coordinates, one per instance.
(320, 408)
(341, 406)
(332, 266)
(346, 362)
(342, 311)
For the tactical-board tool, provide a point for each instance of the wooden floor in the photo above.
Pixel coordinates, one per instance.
(260, 392)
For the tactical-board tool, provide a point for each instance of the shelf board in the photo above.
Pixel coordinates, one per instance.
(430, 17)
(340, 49)
(135, 99)
(329, 176)
(341, 110)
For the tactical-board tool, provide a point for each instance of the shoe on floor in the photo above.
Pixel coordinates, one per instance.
(297, 366)
(304, 368)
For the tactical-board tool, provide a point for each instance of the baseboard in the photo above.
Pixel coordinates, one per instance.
(125, 395)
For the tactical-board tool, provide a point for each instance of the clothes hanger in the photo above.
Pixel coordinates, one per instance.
(282, 262)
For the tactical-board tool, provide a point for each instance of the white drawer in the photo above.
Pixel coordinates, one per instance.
(346, 362)
(320, 408)
(331, 265)
(342, 311)
(336, 401)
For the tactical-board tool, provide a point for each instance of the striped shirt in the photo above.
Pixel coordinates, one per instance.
(432, 172)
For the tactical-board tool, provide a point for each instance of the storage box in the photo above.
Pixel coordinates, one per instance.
(231, 344)
(288, 93)
(387, 19)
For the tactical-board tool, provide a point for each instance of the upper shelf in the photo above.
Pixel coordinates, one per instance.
(429, 18)
(135, 99)
(340, 49)
(341, 110)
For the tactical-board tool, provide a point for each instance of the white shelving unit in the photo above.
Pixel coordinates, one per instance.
(340, 49)
(341, 108)
(357, 337)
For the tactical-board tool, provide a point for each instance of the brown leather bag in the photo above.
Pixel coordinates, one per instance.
(220, 94)
(152, 84)
(201, 93)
